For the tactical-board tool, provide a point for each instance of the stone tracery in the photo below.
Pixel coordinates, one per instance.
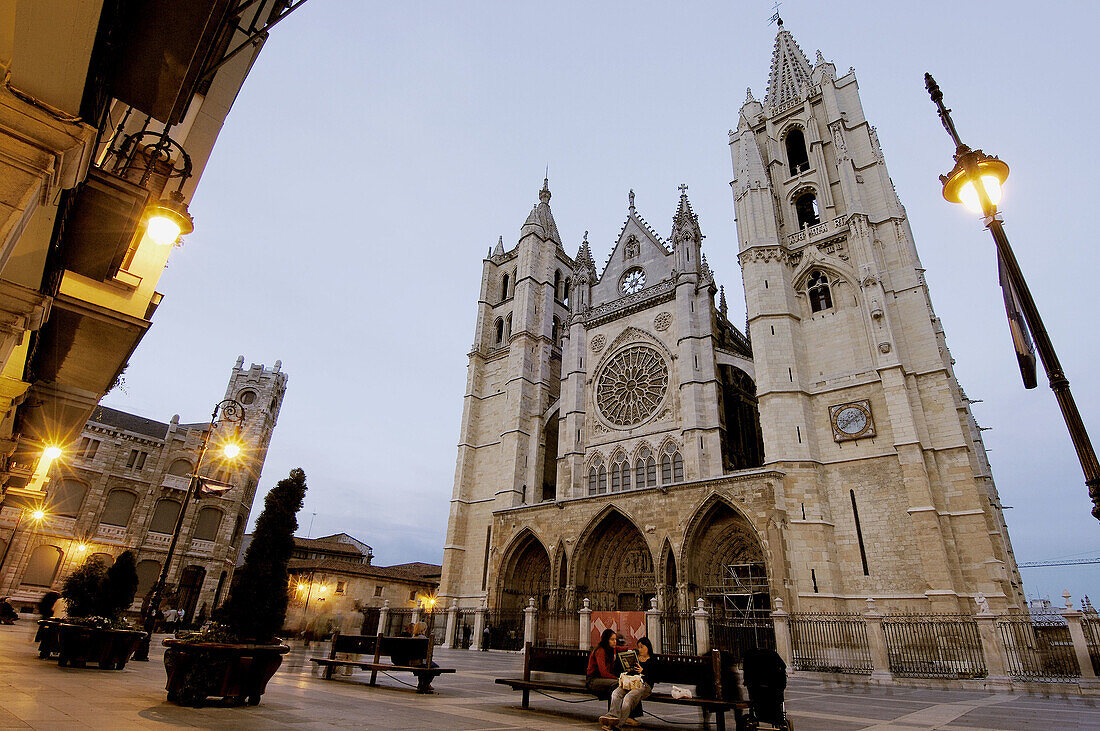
(632, 386)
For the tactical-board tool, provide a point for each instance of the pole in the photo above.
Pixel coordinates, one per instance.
(1059, 384)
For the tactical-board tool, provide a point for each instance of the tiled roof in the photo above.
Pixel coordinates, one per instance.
(320, 544)
(418, 568)
(129, 422)
(344, 567)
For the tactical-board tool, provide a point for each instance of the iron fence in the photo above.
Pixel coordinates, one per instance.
(505, 629)
(1091, 624)
(1038, 648)
(677, 634)
(934, 646)
(397, 621)
(464, 628)
(437, 626)
(830, 643)
(557, 629)
(737, 633)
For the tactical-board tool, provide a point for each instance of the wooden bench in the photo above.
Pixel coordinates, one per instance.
(713, 683)
(414, 652)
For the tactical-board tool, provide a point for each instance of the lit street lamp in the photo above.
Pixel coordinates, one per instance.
(232, 411)
(976, 182)
(37, 515)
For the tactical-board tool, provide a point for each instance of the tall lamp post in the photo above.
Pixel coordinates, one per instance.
(976, 182)
(231, 411)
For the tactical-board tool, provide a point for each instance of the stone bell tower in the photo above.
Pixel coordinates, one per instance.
(889, 491)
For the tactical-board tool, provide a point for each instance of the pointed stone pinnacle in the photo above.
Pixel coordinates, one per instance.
(630, 197)
(748, 96)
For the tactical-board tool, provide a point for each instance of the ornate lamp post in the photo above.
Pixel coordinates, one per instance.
(232, 412)
(976, 182)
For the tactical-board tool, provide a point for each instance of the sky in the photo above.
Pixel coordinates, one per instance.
(377, 150)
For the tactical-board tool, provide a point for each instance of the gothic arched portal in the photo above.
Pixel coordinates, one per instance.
(724, 561)
(614, 567)
(526, 574)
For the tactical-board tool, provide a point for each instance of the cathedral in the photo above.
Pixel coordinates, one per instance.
(622, 440)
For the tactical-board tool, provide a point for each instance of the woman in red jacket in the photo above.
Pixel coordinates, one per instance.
(601, 677)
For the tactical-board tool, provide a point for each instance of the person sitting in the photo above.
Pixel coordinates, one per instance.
(7, 612)
(624, 702)
(601, 678)
(46, 604)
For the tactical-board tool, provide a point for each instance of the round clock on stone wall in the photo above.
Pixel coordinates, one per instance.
(852, 420)
(633, 281)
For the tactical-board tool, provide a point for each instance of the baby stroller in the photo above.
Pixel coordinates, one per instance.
(766, 679)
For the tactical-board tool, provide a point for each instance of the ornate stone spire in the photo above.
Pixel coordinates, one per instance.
(499, 250)
(541, 220)
(584, 261)
(790, 70)
(722, 306)
(685, 224)
(748, 95)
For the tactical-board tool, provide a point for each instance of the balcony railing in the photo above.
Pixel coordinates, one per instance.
(819, 230)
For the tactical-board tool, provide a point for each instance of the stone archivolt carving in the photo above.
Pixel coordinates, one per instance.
(632, 386)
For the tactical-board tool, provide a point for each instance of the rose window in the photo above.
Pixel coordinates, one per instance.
(632, 386)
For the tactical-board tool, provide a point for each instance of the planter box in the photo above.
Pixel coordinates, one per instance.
(78, 645)
(237, 673)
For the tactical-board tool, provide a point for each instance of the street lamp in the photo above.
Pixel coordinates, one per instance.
(37, 515)
(232, 412)
(976, 182)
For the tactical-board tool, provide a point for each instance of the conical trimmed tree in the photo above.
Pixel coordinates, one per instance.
(256, 607)
(119, 586)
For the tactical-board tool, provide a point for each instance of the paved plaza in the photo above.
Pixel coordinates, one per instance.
(38, 694)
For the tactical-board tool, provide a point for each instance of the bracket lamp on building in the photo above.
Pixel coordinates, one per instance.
(168, 220)
(976, 181)
(50, 454)
(153, 160)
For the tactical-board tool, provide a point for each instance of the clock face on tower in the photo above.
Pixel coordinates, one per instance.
(633, 281)
(851, 420)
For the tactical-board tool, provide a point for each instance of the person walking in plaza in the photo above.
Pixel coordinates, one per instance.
(170, 617)
(624, 701)
(601, 677)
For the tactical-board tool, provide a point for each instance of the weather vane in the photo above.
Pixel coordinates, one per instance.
(775, 14)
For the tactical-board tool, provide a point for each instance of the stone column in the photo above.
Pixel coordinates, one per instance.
(996, 668)
(783, 644)
(415, 615)
(876, 643)
(584, 639)
(530, 617)
(1080, 647)
(384, 617)
(452, 626)
(702, 627)
(479, 624)
(653, 625)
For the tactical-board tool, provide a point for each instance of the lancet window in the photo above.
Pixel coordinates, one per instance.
(821, 298)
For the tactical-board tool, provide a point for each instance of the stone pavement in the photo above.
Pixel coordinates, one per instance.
(38, 694)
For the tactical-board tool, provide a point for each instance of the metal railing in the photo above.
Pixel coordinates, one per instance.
(736, 634)
(934, 646)
(397, 621)
(505, 629)
(677, 633)
(1090, 623)
(465, 622)
(557, 629)
(830, 643)
(1038, 649)
(437, 626)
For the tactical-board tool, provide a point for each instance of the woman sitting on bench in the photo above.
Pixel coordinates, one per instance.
(623, 701)
(601, 677)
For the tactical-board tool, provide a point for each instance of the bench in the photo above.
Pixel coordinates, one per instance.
(415, 654)
(712, 682)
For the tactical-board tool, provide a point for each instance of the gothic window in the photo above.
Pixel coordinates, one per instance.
(620, 474)
(42, 566)
(67, 498)
(504, 288)
(677, 468)
(820, 296)
(805, 207)
(632, 386)
(555, 333)
(645, 470)
(797, 158)
(164, 516)
(601, 487)
(672, 468)
(565, 291)
(500, 332)
(206, 527)
(120, 504)
(557, 284)
(508, 325)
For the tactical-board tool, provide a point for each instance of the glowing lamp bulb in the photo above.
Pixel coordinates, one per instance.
(38, 514)
(301, 587)
(52, 453)
(81, 547)
(163, 230)
(231, 450)
(968, 194)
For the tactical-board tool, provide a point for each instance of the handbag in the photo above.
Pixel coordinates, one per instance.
(630, 681)
(680, 693)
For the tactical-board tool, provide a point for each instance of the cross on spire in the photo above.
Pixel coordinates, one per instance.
(683, 188)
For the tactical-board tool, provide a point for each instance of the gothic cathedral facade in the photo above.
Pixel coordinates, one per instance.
(622, 440)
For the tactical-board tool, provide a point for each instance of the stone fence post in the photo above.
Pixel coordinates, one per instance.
(653, 625)
(584, 636)
(702, 627)
(1080, 646)
(783, 644)
(479, 626)
(415, 615)
(530, 618)
(876, 643)
(452, 625)
(996, 668)
(384, 617)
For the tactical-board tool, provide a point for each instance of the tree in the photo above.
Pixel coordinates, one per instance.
(119, 586)
(256, 607)
(82, 588)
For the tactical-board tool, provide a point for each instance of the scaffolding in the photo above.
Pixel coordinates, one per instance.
(741, 590)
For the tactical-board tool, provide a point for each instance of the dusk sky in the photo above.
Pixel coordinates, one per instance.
(377, 151)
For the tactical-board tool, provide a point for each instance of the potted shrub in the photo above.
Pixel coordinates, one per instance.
(235, 656)
(94, 630)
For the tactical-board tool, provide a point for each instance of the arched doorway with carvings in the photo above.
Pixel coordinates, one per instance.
(614, 565)
(724, 561)
(525, 573)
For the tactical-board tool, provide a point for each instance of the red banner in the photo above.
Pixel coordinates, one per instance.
(630, 626)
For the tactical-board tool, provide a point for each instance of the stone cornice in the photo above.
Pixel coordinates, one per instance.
(662, 292)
